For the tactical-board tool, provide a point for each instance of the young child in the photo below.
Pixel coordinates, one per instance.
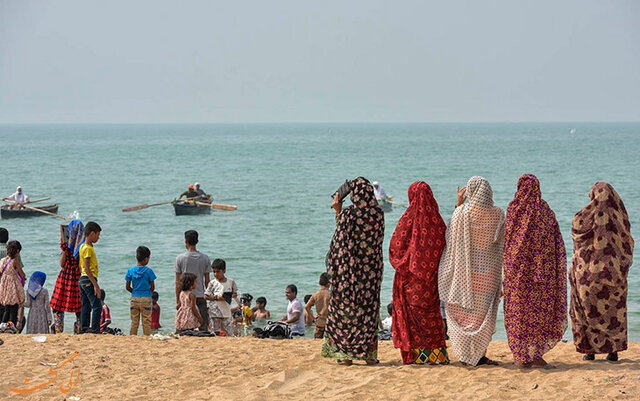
(308, 318)
(11, 283)
(320, 299)
(259, 311)
(105, 316)
(219, 292)
(141, 283)
(188, 316)
(247, 313)
(155, 312)
(238, 321)
(37, 299)
(90, 315)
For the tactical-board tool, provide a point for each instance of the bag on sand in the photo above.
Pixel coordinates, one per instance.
(276, 330)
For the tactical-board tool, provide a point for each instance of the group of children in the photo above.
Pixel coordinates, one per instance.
(77, 290)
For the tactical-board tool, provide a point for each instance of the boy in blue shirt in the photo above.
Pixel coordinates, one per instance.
(140, 283)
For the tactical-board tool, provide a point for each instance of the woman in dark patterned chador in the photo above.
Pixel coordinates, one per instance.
(602, 255)
(354, 264)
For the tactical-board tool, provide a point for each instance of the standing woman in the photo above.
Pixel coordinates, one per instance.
(602, 255)
(471, 271)
(66, 293)
(415, 251)
(354, 264)
(535, 276)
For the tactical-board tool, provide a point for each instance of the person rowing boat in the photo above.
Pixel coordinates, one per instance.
(195, 193)
(19, 198)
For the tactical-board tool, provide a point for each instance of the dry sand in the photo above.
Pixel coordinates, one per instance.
(138, 368)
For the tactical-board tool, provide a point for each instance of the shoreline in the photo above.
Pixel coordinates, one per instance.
(140, 368)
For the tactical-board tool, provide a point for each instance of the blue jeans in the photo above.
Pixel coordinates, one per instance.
(90, 303)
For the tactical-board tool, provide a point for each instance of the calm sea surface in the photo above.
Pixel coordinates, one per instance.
(281, 178)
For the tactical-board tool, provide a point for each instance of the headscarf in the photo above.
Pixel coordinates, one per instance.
(535, 275)
(76, 236)
(602, 255)
(415, 250)
(355, 268)
(36, 281)
(470, 270)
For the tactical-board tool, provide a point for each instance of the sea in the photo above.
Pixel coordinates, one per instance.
(281, 177)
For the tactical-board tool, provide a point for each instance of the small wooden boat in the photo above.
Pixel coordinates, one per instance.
(183, 207)
(385, 205)
(8, 213)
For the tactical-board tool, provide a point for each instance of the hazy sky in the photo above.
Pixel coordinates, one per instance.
(303, 61)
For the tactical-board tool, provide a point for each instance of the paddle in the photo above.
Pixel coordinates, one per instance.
(218, 206)
(39, 200)
(144, 206)
(39, 210)
(396, 203)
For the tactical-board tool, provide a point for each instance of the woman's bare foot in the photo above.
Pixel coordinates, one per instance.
(345, 362)
(541, 363)
(372, 361)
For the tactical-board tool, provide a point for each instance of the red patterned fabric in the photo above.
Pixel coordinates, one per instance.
(415, 251)
(66, 293)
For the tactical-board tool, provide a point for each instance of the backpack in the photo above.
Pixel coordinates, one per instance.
(276, 330)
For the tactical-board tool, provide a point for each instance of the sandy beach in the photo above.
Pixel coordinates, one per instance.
(138, 368)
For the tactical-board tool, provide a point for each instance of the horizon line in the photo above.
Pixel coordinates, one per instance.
(324, 122)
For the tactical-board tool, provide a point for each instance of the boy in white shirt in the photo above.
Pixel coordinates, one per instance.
(219, 293)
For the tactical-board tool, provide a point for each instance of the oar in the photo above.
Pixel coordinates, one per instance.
(218, 206)
(39, 200)
(40, 210)
(144, 206)
(396, 203)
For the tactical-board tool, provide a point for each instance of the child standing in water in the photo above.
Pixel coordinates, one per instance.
(11, 292)
(188, 316)
(259, 311)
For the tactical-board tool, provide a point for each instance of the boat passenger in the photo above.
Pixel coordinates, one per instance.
(19, 197)
(380, 193)
(189, 193)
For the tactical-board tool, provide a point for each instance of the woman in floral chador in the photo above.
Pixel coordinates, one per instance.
(415, 251)
(535, 276)
(354, 264)
(602, 255)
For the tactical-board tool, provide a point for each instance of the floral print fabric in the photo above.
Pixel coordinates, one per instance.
(415, 251)
(355, 268)
(602, 255)
(470, 272)
(535, 275)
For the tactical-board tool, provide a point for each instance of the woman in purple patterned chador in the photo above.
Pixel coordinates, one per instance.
(354, 264)
(602, 255)
(535, 276)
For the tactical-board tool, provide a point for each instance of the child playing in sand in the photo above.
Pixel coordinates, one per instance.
(320, 299)
(140, 283)
(259, 311)
(155, 312)
(219, 292)
(11, 282)
(188, 316)
(37, 300)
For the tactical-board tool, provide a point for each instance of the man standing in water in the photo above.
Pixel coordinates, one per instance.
(197, 263)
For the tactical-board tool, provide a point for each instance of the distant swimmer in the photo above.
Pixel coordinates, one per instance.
(19, 197)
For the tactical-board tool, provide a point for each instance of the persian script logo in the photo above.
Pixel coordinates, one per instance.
(53, 370)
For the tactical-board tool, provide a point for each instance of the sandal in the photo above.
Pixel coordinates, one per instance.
(486, 361)
(371, 362)
(345, 362)
(589, 357)
(612, 357)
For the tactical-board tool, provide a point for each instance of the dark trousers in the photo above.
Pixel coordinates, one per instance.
(91, 305)
(9, 313)
(201, 303)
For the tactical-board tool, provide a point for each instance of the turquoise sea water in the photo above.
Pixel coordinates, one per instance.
(281, 178)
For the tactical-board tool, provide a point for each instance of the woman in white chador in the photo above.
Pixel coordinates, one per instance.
(470, 274)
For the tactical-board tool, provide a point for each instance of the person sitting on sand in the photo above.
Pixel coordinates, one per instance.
(295, 311)
(319, 299)
(259, 311)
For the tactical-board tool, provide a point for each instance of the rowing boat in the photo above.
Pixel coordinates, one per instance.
(7, 213)
(184, 207)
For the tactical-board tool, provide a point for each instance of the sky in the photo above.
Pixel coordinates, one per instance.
(250, 61)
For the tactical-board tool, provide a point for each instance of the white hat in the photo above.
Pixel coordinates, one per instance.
(197, 184)
(19, 188)
(376, 183)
